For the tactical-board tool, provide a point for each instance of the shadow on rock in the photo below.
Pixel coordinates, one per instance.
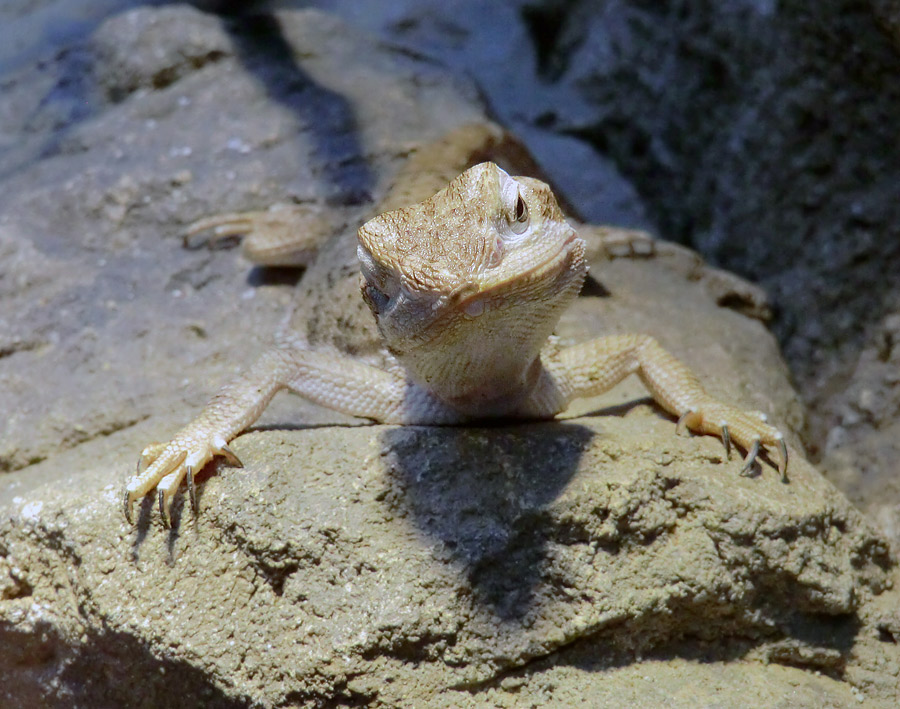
(269, 56)
(83, 673)
(124, 53)
(483, 494)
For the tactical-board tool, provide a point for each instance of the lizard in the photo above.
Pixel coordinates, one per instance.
(466, 271)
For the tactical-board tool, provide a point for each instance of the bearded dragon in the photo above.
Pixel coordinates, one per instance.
(466, 276)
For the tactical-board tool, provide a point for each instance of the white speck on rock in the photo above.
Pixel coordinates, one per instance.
(238, 145)
(32, 511)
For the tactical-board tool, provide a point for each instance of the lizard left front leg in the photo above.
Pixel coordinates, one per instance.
(596, 366)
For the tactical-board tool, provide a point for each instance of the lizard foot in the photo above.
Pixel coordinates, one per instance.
(283, 235)
(164, 465)
(748, 429)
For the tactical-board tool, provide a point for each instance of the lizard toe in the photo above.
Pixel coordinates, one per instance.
(148, 456)
(749, 430)
(164, 466)
(220, 227)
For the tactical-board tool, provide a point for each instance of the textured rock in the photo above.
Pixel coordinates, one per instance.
(863, 430)
(393, 564)
(601, 559)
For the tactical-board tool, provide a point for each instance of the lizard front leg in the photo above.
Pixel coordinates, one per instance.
(326, 378)
(593, 367)
(282, 235)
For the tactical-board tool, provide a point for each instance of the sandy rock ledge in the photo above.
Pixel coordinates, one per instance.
(444, 566)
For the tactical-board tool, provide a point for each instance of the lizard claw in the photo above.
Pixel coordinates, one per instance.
(164, 509)
(229, 454)
(783, 462)
(726, 439)
(192, 490)
(751, 456)
(129, 504)
(164, 466)
(686, 421)
(750, 431)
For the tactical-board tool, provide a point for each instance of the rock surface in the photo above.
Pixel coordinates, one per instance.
(600, 559)
(414, 565)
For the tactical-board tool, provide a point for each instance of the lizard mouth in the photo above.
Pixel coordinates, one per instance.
(550, 279)
(565, 262)
(570, 251)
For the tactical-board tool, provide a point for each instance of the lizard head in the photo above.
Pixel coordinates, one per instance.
(484, 266)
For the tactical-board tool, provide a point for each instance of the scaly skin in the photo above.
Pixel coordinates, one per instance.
(466, 288)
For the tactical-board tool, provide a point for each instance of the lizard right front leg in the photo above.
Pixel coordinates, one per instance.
(331, 380)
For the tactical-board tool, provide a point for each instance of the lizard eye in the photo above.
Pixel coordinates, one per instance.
(519, 222)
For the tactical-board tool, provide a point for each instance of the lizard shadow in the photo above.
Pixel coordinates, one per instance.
(148, 506)
(269, 56)
(274, 276)
(483, 494)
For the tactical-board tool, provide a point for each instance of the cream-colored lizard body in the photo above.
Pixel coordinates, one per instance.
(466, 287)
